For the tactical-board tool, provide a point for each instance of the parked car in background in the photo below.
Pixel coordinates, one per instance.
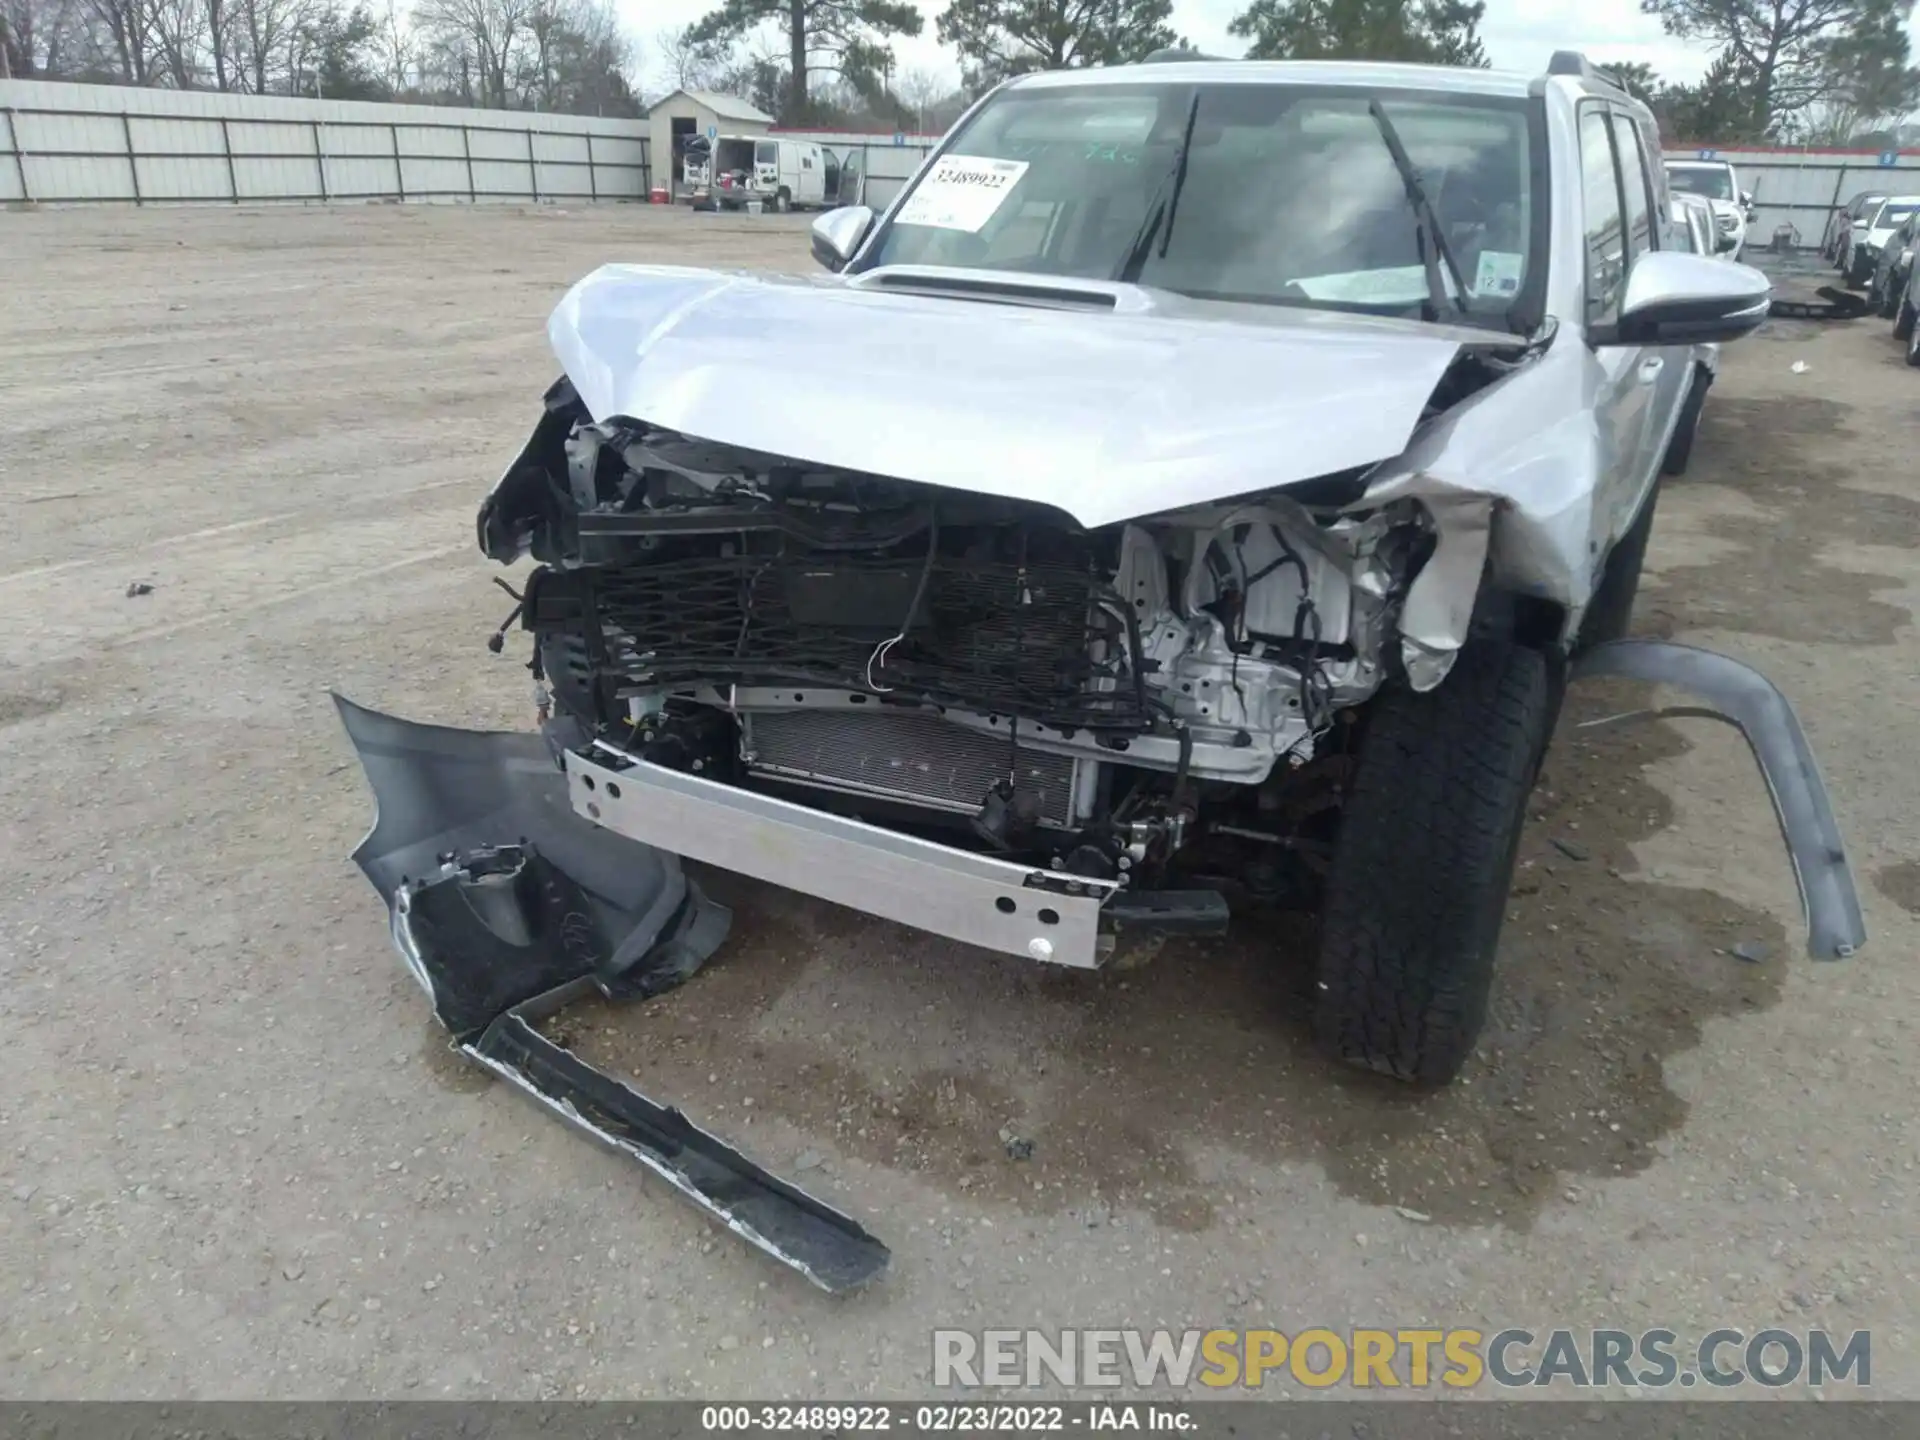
(781, 174)
(1693, 223)
(1906, 315)
(1715, 182)
(1889, 279)
(1842, 221)
(1693, 229)
(1860, 249)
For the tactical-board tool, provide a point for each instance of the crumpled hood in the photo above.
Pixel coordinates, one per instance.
(1107, 414)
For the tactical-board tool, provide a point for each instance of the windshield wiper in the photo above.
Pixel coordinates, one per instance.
(1166, 200)
(1430, 227)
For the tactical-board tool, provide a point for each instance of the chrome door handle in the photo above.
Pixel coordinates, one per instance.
(1650, 369)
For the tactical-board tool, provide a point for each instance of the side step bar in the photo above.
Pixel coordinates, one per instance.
(1744, 698)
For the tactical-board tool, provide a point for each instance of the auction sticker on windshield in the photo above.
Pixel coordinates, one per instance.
(1500, 272)
(961, 192)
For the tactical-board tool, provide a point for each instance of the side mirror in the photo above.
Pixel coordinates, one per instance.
(1674, 298)
(838, 233)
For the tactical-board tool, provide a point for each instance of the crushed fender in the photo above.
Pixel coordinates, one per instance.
(506, 906)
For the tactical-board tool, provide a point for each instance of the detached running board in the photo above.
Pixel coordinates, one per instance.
(1744, 698)
(506, 906)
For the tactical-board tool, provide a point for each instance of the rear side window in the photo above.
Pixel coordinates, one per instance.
(1606, 239)
(1635, 186)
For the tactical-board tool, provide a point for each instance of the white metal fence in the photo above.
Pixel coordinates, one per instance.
(65, 144)
(71, 144)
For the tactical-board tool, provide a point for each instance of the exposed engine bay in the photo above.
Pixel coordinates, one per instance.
(1088, 700)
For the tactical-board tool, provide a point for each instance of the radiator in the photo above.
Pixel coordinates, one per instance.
(918, 759)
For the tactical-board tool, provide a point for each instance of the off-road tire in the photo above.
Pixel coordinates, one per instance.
(1903, 319)
(1680, 447)
(1420, 874)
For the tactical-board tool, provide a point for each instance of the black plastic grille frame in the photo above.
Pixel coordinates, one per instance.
(985, 639)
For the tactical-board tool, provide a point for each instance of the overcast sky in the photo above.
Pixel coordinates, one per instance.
(1519, 34)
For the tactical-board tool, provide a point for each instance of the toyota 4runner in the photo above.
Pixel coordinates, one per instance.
(1198, 487)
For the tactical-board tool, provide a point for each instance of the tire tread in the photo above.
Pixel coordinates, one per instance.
(1420, 879)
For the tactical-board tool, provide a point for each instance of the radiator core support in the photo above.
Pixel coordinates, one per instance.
(914, 758)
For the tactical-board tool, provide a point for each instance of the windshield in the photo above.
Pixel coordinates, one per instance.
(1289, 195)
(1891, 215)
(1713, 181)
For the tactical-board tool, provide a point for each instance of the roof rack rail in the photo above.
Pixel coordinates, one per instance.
(1174, 53)
(1573, 62)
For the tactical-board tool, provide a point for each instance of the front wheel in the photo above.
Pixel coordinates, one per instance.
(1903, 321)
(1857, 273)
(1889, 300)
(1418, 886)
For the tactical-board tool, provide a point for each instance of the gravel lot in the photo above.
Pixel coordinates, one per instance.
(235, 1159)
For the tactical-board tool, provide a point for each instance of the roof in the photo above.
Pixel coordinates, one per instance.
(727, 107)
(1442, 78)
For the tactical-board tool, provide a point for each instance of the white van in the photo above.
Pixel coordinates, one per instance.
(782, 174)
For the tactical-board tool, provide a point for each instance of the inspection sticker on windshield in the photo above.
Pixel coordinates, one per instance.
(961, 192)
(1499, 273)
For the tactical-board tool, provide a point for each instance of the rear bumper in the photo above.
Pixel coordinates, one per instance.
(995, 904)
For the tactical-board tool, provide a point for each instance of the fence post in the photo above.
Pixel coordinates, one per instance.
(593, 183)
(1839, 181)
(399, 171)
(319, 161)
(19, 155)
(226, 149)
(133, 163)
(533, 167)
(466, 149)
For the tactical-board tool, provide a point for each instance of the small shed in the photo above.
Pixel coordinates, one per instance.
(686, 113)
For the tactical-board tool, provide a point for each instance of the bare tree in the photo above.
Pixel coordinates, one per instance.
(488, 31)
(920, 89)
(689, 64)
(263, 35)
(123, 37)
(397, 47)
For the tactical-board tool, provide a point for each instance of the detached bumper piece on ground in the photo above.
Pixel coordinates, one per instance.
(506, 905)
(513, 891)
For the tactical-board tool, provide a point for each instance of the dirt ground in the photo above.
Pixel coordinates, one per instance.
(235, 1159)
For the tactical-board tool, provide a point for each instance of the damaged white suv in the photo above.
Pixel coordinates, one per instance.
(1196, 489)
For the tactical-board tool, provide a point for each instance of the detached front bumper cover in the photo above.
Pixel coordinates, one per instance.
(507, 905)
